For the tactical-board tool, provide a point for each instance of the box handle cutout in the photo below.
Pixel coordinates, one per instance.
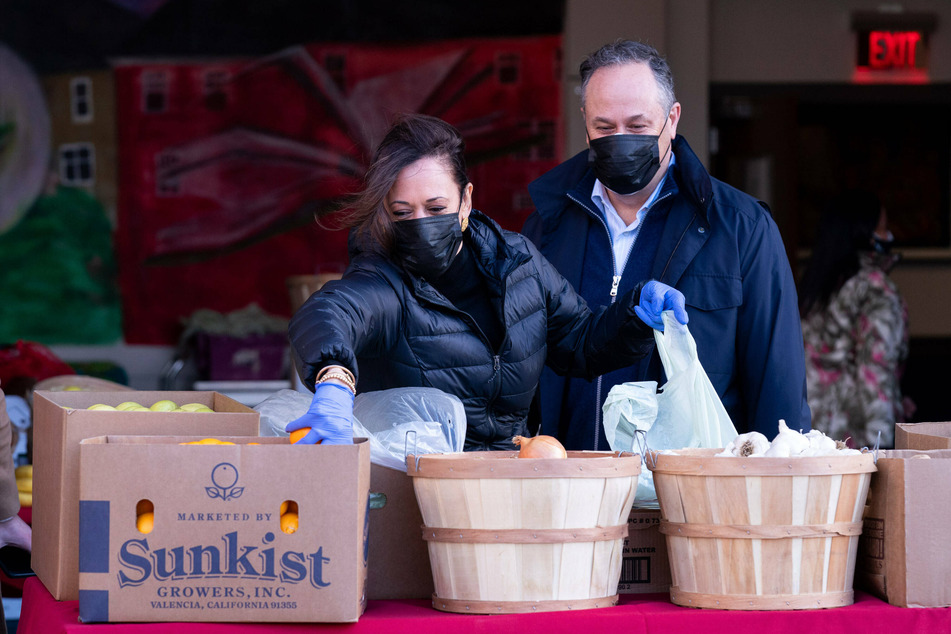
(377, 500)
(145, 516)
(289, 515)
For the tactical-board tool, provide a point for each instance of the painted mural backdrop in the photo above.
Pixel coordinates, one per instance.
(57, 265)
(222, 164)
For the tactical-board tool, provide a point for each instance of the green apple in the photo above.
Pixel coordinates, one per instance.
(101, 406)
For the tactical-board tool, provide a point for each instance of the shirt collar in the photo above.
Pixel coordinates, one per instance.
(600, 197)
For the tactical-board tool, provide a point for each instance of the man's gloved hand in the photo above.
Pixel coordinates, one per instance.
(657, 297)
(330, 417)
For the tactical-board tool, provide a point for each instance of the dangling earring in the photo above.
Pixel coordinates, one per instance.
(465, 223)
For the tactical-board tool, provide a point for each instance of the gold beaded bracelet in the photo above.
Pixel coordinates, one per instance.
(335, 368)
(340, 376)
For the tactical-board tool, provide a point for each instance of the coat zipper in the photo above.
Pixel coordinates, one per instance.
(440, 301)
(615, 283)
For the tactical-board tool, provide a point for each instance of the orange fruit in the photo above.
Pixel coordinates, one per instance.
(289, 522)
(208, 441)
(300, 433)
(146, 522)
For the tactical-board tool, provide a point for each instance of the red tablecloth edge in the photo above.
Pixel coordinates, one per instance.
(41, 614)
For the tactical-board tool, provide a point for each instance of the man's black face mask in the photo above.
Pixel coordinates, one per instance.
(625, 163)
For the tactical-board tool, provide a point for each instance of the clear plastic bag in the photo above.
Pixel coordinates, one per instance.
(685, 413)
(415, 419)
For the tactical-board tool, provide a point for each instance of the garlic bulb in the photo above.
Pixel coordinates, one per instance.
(819, 445)
(787, 443)
(745, 445)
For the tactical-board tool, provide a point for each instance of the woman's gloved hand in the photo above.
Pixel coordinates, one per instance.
(330, 417)
(657, 297)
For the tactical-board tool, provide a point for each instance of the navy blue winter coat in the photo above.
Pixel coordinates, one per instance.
(723, 251)
(393, 329)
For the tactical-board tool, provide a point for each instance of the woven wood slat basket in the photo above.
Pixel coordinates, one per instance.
(761, 533)
(512, 535)
(301, 287)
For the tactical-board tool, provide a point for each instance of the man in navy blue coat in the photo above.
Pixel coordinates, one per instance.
(638, 204)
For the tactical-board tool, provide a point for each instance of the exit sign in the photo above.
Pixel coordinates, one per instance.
(892, 44)
(892, 50)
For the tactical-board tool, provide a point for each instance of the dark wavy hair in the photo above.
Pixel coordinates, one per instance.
(411, 138)
(845, 230)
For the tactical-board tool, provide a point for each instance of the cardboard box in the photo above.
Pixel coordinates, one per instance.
(644, 564)
(60, 421)
(399, 566)
(217, 551)
(923, 436)
(903, 556)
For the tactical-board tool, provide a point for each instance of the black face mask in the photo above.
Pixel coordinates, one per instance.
(427, 246)
(625, 163)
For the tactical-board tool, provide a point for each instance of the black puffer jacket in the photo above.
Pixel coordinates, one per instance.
(399, 331)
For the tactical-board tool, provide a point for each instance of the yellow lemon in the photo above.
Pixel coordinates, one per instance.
(25, 485)
(128, 405)
(24, 471)
(72, 388)
(26, 499)
(163, 406)
(102, 406)
(196, 407)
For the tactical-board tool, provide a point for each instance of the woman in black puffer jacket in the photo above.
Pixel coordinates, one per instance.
(438, 295)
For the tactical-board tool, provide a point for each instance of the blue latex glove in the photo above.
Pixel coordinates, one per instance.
(657, 297)
(330, 417)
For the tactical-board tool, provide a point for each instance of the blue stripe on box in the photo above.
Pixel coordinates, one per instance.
(93, 606)
(93, 536)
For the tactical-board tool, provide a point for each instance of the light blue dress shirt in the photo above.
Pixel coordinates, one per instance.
(623, 235)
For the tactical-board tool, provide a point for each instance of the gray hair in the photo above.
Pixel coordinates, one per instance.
(630, 52)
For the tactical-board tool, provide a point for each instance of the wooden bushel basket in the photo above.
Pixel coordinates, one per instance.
(511, 534)
(301, 287)
(761, 533)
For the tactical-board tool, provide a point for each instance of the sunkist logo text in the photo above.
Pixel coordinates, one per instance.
(139, 562)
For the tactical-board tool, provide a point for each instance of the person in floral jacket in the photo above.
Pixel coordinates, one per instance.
(855, 326)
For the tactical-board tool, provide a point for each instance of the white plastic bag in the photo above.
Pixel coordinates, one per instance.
(629, 407)
(385, 418)
(687, 410)
(687, 396)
